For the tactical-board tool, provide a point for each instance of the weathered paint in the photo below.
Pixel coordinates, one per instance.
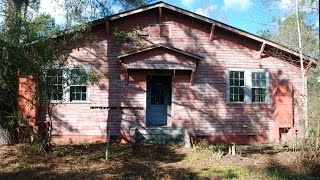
(118, 103)
(26, 99)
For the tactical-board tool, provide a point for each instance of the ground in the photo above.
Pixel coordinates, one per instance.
(87, 161)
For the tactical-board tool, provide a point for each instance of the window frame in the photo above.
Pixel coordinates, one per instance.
(247, 84)
(66, 99)
(55, 76)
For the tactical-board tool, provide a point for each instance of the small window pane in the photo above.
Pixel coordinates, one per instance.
(241, 91)
(78, 96)
(241, 75)
(231, 98)
(241, 98)
(231, 74)
(241, 82)
(236, 91)
(231, 90)
(236, 99)
(237, 82)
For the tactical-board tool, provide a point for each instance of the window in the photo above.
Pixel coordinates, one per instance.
(159, 30)
(67, 85)
(247, 86)
(157, 95)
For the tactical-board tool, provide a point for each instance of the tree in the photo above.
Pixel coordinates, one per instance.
(296, 32)
(80, 11)
(24, 50)
(27, 46)
(285, 33)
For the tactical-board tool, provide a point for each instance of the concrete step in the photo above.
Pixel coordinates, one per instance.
(158, 135)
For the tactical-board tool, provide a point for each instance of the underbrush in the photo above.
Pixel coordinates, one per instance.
(86, 161)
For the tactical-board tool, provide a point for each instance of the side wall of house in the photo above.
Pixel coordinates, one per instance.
(116, 105)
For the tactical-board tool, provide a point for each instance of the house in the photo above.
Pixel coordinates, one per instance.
(186, 71)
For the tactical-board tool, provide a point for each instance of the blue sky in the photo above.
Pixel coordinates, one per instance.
(248, 15)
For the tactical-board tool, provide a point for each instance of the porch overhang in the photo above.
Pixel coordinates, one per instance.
(160, 57)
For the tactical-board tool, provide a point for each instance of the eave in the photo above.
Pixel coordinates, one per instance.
(120, 57)
(161, 4)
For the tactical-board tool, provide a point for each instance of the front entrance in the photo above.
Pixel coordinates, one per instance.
(158, 100)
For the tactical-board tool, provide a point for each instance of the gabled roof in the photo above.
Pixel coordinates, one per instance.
(189, 62)
(155, 46)
(205, 19)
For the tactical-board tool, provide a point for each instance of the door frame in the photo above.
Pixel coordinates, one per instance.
(169, 104)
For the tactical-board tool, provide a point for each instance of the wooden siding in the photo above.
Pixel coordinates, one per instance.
(116, 105)
(160, 58)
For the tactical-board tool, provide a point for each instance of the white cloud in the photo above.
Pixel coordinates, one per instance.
(54, 8)
(206, 11)
(240, 5)
(187, 3)
(116, 8)
(285, 4)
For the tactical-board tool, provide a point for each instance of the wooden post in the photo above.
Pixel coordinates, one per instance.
(187, 143)
(233, 149)
(220, 152)
(108, 146)
(261, 50)
(308, 67)
(192, 77)
(212, 31)
(107, 28)
(160, 15)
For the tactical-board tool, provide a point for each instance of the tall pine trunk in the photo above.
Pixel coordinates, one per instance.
(303, 76)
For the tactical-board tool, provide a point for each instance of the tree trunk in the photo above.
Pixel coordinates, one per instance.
(317, 137)
(304, 86)
(5, 136)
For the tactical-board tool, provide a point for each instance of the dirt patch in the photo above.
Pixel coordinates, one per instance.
(144, 162)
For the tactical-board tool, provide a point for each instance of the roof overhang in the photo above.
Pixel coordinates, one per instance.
(310, 61)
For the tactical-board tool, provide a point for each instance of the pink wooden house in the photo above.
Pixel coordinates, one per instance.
(192, 72)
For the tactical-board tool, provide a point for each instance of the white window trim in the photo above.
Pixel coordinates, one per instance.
(248, 85)
(66, 89)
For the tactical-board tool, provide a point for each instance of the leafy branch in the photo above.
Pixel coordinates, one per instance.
(132, 40)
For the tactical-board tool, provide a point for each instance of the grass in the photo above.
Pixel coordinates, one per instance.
(146, 162)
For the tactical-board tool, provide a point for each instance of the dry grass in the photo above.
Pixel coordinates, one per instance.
(147, 162)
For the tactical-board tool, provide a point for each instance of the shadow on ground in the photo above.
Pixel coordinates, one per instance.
(87, 162)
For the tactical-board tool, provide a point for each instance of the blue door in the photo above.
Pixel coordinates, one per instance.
(158, 100)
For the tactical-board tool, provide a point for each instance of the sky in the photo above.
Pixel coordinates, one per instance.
(247, 15)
